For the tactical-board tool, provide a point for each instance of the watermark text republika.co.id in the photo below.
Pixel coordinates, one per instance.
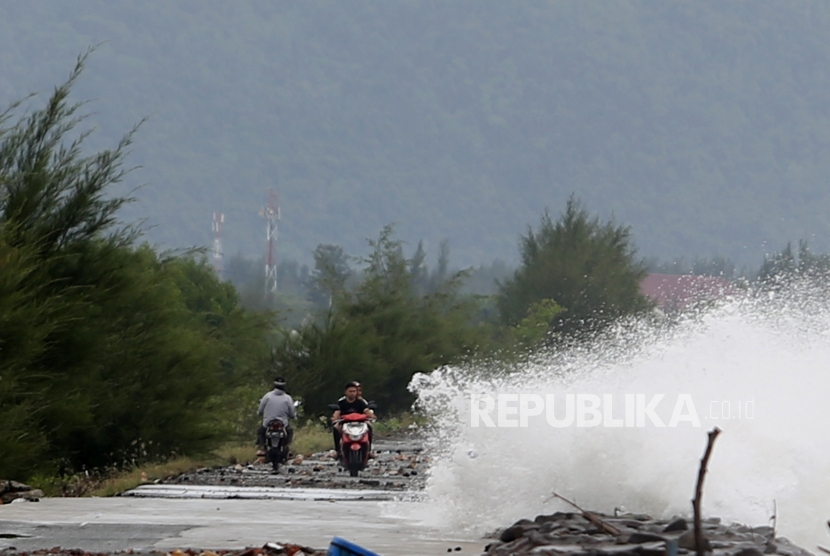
(606, 410)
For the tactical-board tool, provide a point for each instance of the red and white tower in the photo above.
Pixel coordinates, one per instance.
(218, 220)
(271, 213)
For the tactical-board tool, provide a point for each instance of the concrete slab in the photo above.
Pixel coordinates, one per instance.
(105, 524)
(262, 493)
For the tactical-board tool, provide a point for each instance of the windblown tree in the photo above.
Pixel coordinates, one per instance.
(381, 331)
(330, 274)
(584, 266)
(108, 352)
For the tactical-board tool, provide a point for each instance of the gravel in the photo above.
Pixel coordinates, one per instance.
(399, 464)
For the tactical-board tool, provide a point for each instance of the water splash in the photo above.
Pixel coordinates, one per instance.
(771, 351)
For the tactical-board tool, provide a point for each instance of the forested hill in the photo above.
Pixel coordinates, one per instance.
(704, 125)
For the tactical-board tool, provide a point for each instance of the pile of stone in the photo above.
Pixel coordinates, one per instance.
(12, 490)
(573, 534)
(397, 466)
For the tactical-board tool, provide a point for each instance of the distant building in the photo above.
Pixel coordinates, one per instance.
(673, 293)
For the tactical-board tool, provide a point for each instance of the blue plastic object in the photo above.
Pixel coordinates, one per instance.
(342, 547)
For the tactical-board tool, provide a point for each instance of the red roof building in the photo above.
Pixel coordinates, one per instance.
(679, 292)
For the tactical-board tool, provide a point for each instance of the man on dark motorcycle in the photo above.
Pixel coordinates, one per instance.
(276, 404)
(350, 403)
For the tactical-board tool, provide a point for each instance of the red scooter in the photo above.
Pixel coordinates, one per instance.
(355, 444)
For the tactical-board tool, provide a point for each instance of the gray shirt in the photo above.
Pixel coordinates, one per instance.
(276, 404)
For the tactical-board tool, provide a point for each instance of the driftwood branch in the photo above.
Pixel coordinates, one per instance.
(821, 547)
(700, 547)
(592, 517)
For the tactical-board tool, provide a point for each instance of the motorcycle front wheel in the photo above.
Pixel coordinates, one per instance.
(355, 462)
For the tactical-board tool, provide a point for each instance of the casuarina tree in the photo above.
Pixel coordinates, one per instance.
(109, 352)
(587, 267)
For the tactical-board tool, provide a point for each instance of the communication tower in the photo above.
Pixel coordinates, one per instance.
(218, 220)
(271, 213)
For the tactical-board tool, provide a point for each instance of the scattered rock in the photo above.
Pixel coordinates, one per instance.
(751, 551)
(640, 538)
(687, 541)
(11, 491)
(570, 534)
(676, 525)
(269, 549)
(558, 516)
(400, 459)
(518, 530)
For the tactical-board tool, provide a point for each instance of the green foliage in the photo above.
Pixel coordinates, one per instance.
(536, 326)
(109, 353)
(331, 272)
(401, 423)
(289, 301)
(27, 318)
(380, 331)
(585, 266)
(785, 267)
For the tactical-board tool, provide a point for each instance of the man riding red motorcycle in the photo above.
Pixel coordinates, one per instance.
(352, 432)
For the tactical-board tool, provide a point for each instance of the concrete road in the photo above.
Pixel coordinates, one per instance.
(164, 524)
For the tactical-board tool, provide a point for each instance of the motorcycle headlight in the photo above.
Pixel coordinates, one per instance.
(356, 430)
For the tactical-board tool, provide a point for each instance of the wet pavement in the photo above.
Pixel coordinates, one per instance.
(263, 493)
(308, 502)
(162, 525)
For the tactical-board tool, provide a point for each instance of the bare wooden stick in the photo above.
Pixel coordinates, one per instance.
(821, 547)
(700, 548)
(592, 517)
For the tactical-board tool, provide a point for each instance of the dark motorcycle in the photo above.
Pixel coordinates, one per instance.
(276, 442)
